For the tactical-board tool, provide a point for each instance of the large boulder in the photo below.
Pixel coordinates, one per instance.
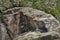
(50, 22)
(19, 20)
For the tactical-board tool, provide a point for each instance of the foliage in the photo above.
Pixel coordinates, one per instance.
(1, 15)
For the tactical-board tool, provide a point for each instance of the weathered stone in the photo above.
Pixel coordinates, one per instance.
(5, 4)
(36, 36)
(2, 31)
(29, 22)
(37, 15)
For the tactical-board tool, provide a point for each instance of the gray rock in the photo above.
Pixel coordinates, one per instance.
(37, 15)
(36, 36)
(11, 18)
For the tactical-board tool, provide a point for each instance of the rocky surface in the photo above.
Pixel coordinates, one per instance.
(37, 36)
(50, 22)
(19, 20)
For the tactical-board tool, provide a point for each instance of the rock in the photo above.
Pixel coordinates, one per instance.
(5, 4)
(50, 22)
(19, 20)
(36, 36)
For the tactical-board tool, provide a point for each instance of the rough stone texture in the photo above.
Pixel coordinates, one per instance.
(36, 36)
(50, 21)
(0, 33)
(5, 4)
(11, 19)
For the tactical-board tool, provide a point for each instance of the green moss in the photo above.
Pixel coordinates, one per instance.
(1, 15)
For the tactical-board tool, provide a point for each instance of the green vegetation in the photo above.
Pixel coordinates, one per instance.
(1, 15)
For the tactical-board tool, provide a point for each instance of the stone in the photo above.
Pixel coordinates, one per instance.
(5, 4)
(48, 19)
(19, 20)
(35, 36)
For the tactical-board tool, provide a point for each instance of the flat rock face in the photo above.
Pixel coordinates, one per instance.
(19, 20)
